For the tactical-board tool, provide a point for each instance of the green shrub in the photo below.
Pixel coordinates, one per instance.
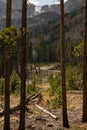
(55, 91)
(73, 77)
(14, 82)
(55, 101)
(55, 83)
(32, 87)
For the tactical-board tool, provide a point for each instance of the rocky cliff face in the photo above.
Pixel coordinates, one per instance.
(33, 11)
(70, 5)
(2, 9)
(51, 8)
(16, 9)
(73, 5)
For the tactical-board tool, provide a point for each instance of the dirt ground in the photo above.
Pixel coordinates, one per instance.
(37, 120)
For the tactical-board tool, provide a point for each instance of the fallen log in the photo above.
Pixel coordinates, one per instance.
(34, 98)
(31, 99)
(46, 111)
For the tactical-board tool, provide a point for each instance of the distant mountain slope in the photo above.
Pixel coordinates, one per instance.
(2, 9)
(43, 18)
(16, 9)
(70, 6)
(32, 10)
(74, 16)
(73, 5)
(74, 28)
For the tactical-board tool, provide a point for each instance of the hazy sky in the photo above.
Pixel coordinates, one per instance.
(44, 2)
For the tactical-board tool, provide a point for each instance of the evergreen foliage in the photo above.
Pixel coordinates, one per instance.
(14, 82)
(33, 85)
(8, 36)
(55, 92)
(74, 77)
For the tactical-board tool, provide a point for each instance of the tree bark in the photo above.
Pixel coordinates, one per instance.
(7, 71)
(23, 67)
(84, 116)
(62, 38)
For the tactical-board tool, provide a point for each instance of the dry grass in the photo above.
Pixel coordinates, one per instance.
(74, 103)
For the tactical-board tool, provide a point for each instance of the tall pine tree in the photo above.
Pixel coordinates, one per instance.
(84, 116)
(23, 66)
(62, 38)
(7, 71)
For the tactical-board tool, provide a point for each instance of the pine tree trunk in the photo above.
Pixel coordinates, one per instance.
(23, 67)
(84, 116)
(7, 71)
(64, 99)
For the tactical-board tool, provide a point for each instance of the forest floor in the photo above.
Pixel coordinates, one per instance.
(37, 120)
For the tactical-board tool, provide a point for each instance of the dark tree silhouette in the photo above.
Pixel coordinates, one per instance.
(23, 66)
(84, 116)
(64, 100)
(7, 71)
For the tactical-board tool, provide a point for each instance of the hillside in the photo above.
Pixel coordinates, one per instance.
(74, 18)
(46, 27)
(33, 10)
(16, 9)
(74, 26)
(43, 18)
